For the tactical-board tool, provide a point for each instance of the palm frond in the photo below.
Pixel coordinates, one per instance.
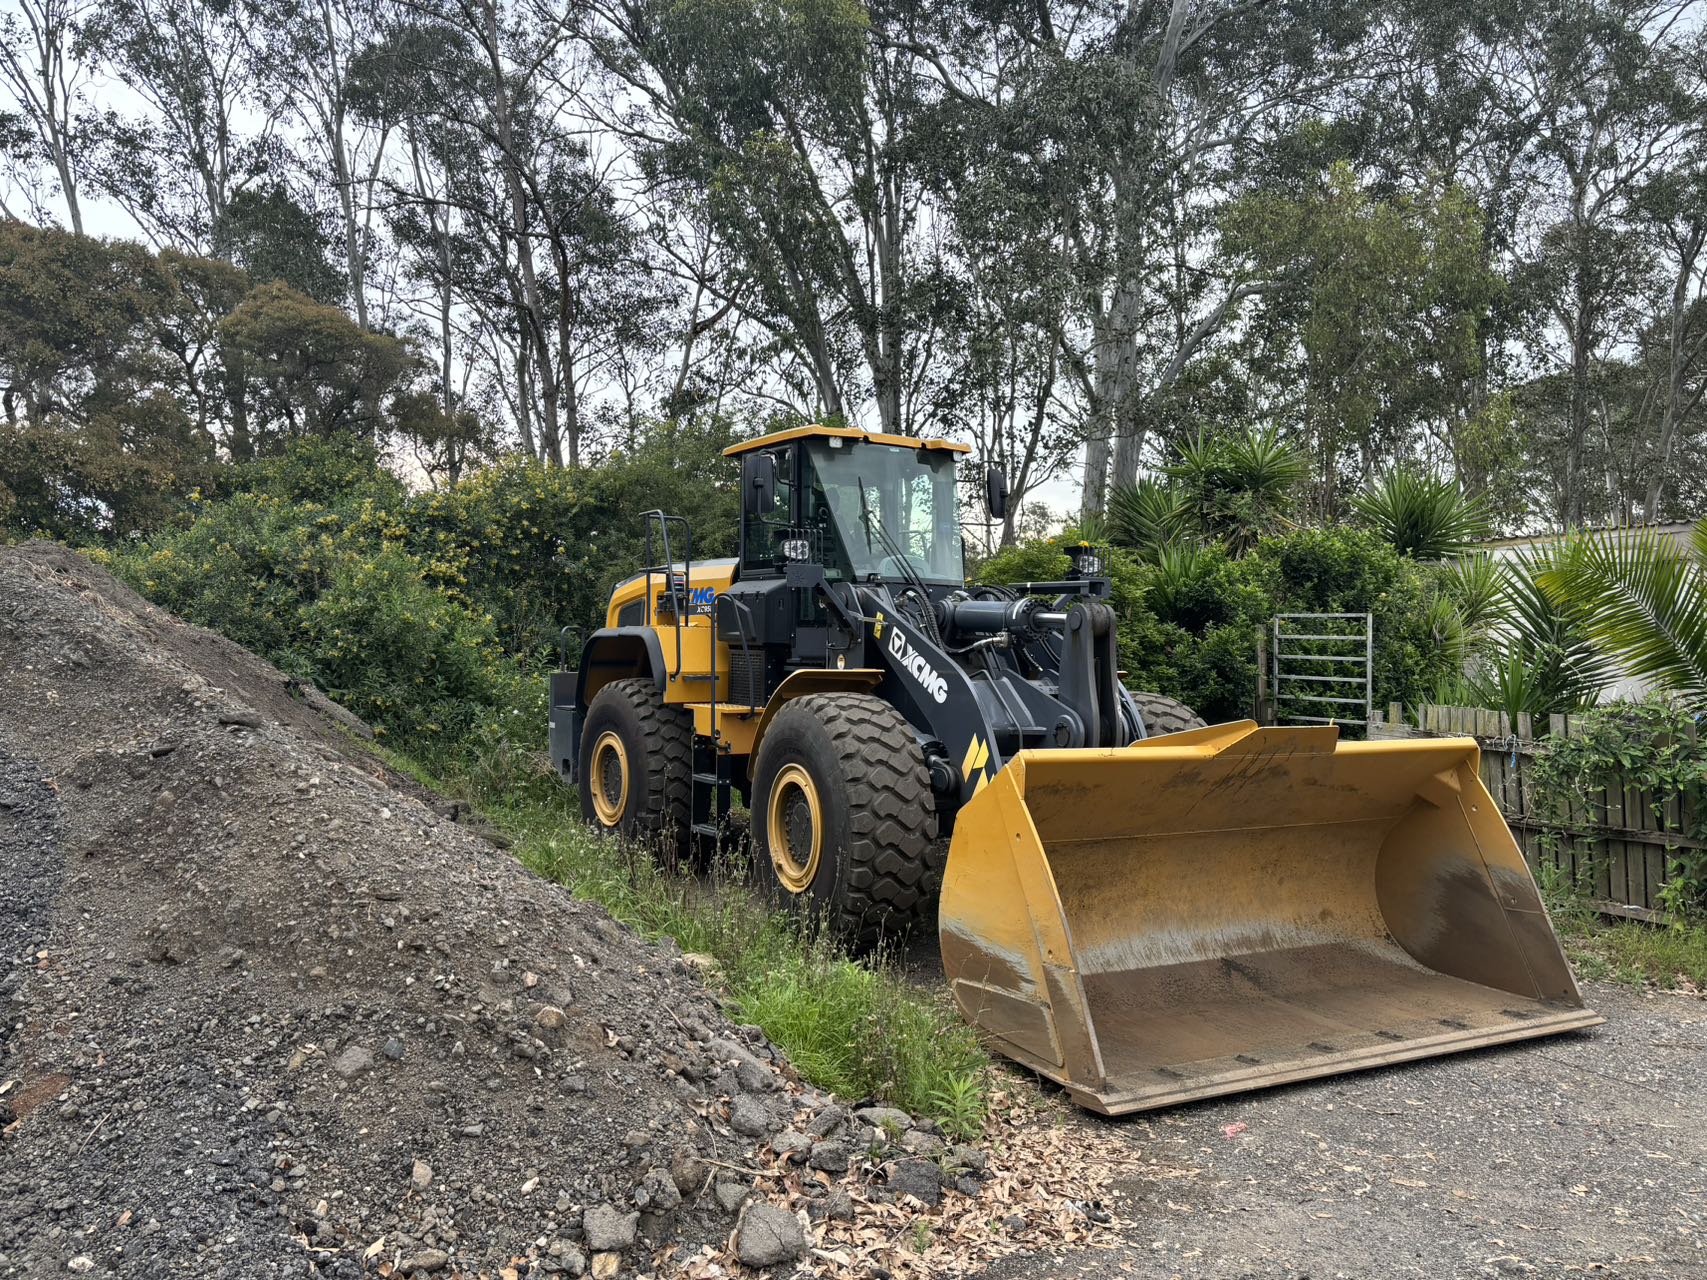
(1197, 461)
(1512, 685)
(1640, 598)
(1260, 462)
(1477, 585)
(1175, 592)
(1238, 486)
(1552, 640)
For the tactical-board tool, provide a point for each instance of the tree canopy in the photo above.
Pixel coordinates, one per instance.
(1432, 238)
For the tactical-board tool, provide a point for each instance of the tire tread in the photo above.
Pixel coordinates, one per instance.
(890, 881)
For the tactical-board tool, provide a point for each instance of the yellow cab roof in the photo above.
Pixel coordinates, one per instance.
(845, 433)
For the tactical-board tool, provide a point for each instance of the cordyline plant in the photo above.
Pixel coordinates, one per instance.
(1422, 516)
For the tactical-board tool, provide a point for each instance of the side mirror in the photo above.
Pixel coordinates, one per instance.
(758, 481)
(996, 492)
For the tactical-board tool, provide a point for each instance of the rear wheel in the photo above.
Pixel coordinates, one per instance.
(843, 820)
(636, 765)
(1164, 715)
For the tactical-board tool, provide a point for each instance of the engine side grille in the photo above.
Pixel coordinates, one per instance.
(746, 676)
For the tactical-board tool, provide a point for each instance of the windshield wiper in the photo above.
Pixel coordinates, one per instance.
(875, 522)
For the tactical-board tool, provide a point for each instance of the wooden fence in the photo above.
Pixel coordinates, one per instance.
(1613, 841)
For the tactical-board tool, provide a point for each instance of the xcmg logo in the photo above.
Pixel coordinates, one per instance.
(913, 663)
(701, 597)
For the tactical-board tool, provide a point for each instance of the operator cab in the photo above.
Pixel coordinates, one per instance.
(867, 508)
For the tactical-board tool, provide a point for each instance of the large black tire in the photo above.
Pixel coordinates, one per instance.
(1164, 715)
(841, 779)
(636, 766)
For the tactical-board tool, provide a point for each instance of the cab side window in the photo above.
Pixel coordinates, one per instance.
(765, 529)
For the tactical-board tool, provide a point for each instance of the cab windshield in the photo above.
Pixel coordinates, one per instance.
(887, 511)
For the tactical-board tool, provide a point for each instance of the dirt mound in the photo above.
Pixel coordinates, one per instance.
(269, 1013)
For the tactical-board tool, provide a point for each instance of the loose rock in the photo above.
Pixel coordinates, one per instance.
(730, 1196)
(767, 1235)
(831, 1157)
(921, 1179)
(609, 1229)
(750, 1117)
(885, 1118)
(353, 1061)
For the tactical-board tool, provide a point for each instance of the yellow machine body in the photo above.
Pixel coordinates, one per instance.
(1235, 907)
(694, 641)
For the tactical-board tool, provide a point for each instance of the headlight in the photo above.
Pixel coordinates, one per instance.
(1087, 561)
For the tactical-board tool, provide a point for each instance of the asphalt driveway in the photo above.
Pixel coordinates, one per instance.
(1584, 1154)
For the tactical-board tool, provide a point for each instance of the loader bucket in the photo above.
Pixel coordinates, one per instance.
(1235, 907)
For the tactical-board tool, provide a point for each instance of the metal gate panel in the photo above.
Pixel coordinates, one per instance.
(1323, 667)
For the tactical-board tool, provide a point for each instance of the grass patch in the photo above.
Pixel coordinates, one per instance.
(1638, 954)
(1630, 952)
(857, 1029)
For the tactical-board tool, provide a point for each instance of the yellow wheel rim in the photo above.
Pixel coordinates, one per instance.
(607, 778)
(795, 827)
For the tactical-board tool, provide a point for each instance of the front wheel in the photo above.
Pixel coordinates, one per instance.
(843, 820)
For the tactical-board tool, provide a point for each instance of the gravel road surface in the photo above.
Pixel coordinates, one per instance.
(1578, 1155)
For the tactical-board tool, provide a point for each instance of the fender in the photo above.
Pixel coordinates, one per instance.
(799, 683)
(618, 653)
(611, 653)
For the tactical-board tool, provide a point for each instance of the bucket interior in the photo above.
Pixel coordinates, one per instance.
(1256, 916)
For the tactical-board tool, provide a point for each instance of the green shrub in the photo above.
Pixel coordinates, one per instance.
(1651, 748)
(1352, 571)
(514, 540)
(1422, 516)
(1188, 623)
(539, 548)
(342, 473)
(1047, 561)
(332, 596)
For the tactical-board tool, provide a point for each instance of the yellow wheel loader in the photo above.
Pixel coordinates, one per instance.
(1137, 905)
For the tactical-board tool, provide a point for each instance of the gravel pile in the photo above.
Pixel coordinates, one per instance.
(268, 1011)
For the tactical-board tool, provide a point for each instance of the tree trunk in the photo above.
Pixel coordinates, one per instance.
(354, 257)
(1580, 356)
(1115, 430)
(533, 322)
(1680, 356)
(240, 443)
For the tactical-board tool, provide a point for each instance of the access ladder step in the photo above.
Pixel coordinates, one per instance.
(710, 830)
(706, 779)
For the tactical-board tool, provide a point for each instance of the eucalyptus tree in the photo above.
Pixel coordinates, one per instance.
(507, 209)
(203, 137)
(1612, 128)
(1367, 349)
(43, 70)
(1671, 213)
(404, 83)
(304, 51)
(1137, 122)
(787, 128)
(998, 298)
